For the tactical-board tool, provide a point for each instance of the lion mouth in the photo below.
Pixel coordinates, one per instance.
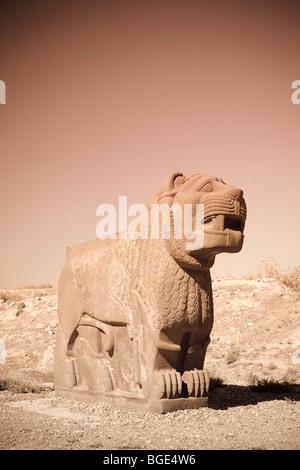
(224, 222)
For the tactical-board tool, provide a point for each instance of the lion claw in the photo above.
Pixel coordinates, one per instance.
(197, 382)
(167, 384)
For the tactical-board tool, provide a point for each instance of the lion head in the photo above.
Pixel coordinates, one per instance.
(224, 215)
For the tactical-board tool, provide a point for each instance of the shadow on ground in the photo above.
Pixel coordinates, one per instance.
(229, 396)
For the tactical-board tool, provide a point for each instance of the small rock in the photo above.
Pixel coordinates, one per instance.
(47, 386)
(20, 308)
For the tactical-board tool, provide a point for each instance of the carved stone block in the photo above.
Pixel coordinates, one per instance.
(135, 315)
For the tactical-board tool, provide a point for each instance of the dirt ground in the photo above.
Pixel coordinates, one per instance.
(255, 334)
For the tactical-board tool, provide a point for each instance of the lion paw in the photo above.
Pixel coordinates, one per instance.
(167, 384)
(197, 382)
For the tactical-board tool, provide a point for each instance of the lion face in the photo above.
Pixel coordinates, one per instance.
(224, 211)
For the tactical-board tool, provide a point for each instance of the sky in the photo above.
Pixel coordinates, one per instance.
(109, 98)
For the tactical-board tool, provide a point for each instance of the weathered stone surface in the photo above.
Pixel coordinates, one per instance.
(135, 315)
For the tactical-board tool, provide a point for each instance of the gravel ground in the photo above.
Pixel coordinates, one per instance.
(236, 419)
(245, 344)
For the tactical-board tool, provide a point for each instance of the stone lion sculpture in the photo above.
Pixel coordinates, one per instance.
(135, 315)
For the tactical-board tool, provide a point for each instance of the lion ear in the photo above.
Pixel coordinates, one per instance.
(176, 180)
(169, 187)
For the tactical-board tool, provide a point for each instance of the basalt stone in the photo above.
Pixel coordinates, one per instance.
(135, 315)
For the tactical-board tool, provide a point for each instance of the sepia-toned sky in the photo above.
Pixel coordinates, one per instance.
(108, 98)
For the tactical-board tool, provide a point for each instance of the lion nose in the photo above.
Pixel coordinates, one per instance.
(236, 193)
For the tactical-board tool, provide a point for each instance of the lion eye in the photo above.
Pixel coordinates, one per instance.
(207, 187)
